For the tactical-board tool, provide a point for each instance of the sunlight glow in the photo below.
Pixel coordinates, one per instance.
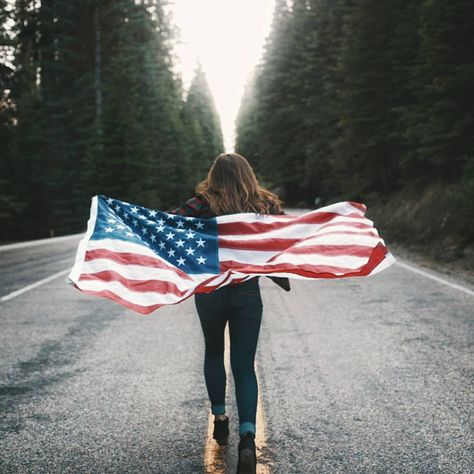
(227, 38)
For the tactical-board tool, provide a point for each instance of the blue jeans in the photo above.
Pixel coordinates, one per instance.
(241, 305)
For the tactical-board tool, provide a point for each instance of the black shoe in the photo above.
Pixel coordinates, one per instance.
(221, 431)
(247, 463)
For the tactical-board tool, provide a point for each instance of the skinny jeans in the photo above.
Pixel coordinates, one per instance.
(241, 305)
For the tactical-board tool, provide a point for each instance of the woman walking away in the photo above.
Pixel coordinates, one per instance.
(232, 187)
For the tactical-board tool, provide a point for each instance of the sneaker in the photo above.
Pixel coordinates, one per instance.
(221, 431)
(247, 463)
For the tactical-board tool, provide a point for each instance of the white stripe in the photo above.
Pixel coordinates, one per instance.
(296, 259)
(262, 256)
(117, 245)
(385, 263)
(435, 278)
(342, 208)
(33, 285)
(342, 239)
(142, 298)
(34, 243)
(296, 230)
(135, 272)
(346, 261)
(245, 256)
(81, 249)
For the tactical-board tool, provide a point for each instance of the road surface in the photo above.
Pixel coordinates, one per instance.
(367, 375)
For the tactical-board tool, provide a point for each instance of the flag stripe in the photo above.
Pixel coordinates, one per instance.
(303, 230)
(315, 271)
(135, 272)
(125, 257)
(238, 228)
(331, 250)
(142, 309)
(157, 286)
(143, 298)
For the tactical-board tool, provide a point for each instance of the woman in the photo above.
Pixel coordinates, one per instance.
(232, 187)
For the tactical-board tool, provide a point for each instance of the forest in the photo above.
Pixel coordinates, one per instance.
(371, 101)
(362, 100)
(91, 105)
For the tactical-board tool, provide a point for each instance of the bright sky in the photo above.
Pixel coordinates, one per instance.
(227, 38)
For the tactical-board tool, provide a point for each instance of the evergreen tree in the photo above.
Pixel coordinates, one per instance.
(10, 200)
(205, 140)
(441, 122)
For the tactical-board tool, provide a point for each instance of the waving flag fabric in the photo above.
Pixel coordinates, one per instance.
(144, 258)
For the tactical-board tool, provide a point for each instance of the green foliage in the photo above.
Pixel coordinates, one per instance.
(90, 104)
(357, 99)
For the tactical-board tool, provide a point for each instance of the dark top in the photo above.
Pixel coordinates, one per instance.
(198, 206)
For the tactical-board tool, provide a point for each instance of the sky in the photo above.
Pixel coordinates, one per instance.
(227, 38)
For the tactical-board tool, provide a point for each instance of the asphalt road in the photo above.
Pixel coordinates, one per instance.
(368, 375)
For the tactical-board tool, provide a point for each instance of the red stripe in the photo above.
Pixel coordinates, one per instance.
(357, 225)
(239, 228)
(314, 271)
(140, 286)
(369, 233)
(260, 244)
(331, 250)
(112, 296)
(276, 244)
(128, 258)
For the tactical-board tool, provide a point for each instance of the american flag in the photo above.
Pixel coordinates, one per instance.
(144, 258)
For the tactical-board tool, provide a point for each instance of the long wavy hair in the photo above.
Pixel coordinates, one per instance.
(231, 187)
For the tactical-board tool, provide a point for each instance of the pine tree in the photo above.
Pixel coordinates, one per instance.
(10, 200)
(203, 125)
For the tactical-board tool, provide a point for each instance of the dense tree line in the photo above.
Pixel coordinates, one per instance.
(90, 104)
(359, 99)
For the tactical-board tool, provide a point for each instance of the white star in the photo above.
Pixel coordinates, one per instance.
(141, 216)
(180, 223)
(162, 245)
(109, 229)
(153, 238)
(189, 218)
(160, 228)
(110, 221)
(171, 252)
(129, 234)
(134, 209)
(120, 226)
(169, 235)
(152, 213)
(171, 216)
(144, 230)
(180, 230)
(199, 225)
(150, 222)
(117, 208)
(180, 243)
(110, 200)
(181, 261)
(190, 251)
(201, 259)
(190, 234)
(161, 221)
(200, 243)
(135, 222)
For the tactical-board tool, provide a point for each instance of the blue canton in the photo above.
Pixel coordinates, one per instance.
(189, 243)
